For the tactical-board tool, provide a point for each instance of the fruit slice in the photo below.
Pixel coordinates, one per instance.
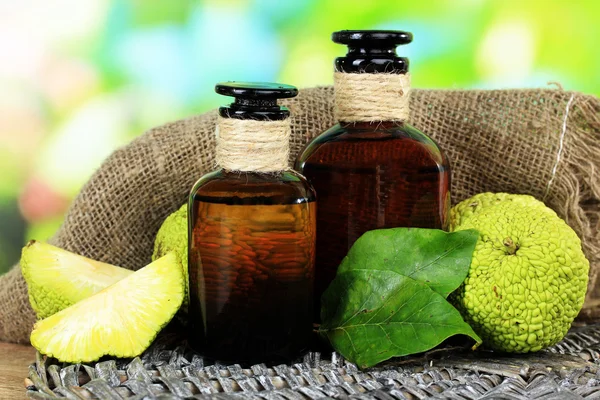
(121, 320)
(57, 278)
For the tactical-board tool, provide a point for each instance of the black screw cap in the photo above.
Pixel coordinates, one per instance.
(255, 100)
(372, 51)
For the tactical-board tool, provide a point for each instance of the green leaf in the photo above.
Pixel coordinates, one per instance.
(389, 296)
(372, 315)
(437, 258)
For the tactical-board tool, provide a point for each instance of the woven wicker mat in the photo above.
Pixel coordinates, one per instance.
(569, 370)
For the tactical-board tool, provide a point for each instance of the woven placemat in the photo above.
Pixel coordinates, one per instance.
(569, 370)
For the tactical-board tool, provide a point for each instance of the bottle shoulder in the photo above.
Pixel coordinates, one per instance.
(372, 142)
(276, 187)
(382, 132)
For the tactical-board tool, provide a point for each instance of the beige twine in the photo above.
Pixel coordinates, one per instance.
(371, 97)
(561, 143)
(251, 145)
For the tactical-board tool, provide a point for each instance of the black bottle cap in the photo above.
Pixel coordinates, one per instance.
(255, 100)
(372, 51)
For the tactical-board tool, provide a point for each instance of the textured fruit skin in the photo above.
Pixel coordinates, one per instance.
(121, 320)
(473, 205)
(527, 279)
(57, 278)
(173, 237)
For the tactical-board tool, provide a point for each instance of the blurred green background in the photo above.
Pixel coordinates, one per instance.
(80, 78)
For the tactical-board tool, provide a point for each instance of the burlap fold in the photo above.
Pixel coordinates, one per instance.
(518, 141)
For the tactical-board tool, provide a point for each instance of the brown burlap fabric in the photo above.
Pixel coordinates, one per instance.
(507, 140)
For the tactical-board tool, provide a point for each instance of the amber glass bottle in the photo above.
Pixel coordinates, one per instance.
(372, 170)
(252, 237)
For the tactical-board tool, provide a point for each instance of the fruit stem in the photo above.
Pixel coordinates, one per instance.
(511, 247)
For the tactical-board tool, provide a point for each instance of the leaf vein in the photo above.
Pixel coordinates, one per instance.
(437, 259)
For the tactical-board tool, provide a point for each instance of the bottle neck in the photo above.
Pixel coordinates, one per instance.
(248, 145)
(366, 97)
(367, 60)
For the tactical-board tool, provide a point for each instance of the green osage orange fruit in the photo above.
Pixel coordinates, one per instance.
(173, 237)
(528, 276)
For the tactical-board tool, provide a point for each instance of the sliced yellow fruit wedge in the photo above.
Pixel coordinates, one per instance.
(57, 278)
(121, 320)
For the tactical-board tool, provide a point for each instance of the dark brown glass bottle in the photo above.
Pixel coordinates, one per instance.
(251, 250)
(372, 174)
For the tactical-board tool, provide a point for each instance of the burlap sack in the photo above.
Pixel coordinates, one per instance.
(542, 142)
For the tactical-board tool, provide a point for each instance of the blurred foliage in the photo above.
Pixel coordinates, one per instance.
(82, 78)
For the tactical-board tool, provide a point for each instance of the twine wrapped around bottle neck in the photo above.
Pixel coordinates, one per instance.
(253, 146)
(371, 97)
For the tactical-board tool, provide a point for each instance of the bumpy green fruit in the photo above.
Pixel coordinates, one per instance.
(527, 279)
(173, 237)
(472, 206)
